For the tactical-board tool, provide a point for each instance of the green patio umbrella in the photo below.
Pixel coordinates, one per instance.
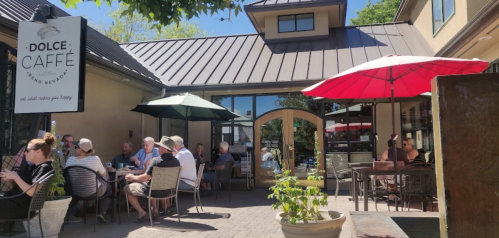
(186, 107)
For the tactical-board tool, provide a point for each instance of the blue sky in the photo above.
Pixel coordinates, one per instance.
(240, 24)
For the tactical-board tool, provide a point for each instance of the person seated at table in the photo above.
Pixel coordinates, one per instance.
(123, 158)
(188, 174)
(38, 154)
(266, 155)
(199, 156)
(412, 154)
(84, 157)
(388, 153)
(138, 188)
(146, 153)
(219, 164)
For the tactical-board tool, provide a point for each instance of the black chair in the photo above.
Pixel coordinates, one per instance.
(418, 180)
(84, 189)
(223, 176)
(41, 191)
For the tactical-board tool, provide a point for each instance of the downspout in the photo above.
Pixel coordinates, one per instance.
(163, 93)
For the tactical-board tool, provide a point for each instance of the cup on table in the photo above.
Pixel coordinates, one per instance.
(120, 165)
(109, 165)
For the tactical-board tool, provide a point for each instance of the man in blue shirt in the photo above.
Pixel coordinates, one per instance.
(148, 152)
(220, 164)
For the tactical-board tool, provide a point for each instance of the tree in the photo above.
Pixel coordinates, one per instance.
(163, 13)
(381, 11)
(129, 28)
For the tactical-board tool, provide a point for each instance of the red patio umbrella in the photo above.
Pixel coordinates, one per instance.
(343, 127)
(392, 76)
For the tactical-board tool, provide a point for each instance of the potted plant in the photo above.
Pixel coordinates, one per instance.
(301, 216)
(55, 208)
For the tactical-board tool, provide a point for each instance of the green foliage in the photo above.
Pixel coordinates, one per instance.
(168, 12)
(58, 179)
(298, 204)
(381, 11)
(133, 27)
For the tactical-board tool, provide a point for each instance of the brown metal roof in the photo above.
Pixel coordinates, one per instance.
(99, 47)
(248, 60)
(262, 5)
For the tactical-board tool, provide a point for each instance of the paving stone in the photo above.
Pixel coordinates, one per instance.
(250, 216)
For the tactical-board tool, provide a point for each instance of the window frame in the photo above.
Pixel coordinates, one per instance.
(444, 21)
(296, 22)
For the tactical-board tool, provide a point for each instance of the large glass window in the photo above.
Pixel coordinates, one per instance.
(348, 132)
(417, 123)
(224, 101)
(442, 11)
(292, 23)
(266, 103)
(244, 106)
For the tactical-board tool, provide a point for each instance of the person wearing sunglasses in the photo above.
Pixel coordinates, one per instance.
(412, 154)
(37, 152)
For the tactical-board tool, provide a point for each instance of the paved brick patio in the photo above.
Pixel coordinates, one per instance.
(247, 215)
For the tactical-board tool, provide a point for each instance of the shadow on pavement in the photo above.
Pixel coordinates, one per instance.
(183, 226)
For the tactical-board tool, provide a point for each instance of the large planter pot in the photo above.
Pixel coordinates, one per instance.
(330, 227)
(53, 213)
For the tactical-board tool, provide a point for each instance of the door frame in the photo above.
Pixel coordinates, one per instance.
(287, 115)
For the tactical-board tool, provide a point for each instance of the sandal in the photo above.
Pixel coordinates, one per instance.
(140, 220)
(155, 217)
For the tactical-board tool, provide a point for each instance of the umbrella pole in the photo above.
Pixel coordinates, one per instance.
(394, 135)
(186, 141)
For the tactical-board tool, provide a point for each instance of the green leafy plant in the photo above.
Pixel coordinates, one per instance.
(298, 204)
(56, 189)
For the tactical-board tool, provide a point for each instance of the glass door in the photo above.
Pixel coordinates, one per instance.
(292, 132)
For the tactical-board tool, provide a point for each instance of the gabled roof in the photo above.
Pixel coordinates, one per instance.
(99, 47)
(265, 5)
(245, 60)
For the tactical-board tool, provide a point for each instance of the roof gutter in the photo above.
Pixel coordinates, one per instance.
(483, 19)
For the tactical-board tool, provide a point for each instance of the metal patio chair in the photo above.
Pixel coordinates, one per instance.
(162, 179)
(418, 180)
(223, 176)
(197, 184)
(338, 173)
(40, 194)
(85, 190)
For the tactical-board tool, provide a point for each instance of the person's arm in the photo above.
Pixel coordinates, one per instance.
(135, 159)
(13, 176)
(412, 155)
(143, 177)
(384, 156)
(139, 178)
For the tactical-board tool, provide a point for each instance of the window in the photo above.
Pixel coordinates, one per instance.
(442, 11)
(493, 67)
(293, 23)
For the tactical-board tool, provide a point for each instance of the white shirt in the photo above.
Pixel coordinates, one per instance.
(267, 156)
(188, 163)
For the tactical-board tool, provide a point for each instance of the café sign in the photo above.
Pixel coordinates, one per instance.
(50, 72)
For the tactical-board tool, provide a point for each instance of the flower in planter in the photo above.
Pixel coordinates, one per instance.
(298, 204)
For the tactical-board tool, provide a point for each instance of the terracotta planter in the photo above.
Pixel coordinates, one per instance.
(53, 213)
(330, 227)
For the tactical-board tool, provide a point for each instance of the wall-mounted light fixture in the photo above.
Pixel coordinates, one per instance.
(42, 13)
(484, 38)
